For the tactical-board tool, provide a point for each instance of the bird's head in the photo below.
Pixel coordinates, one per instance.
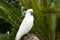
(29, 11)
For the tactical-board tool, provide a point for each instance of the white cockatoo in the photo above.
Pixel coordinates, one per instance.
(26, 24)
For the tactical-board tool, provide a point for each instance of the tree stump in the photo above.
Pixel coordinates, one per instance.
(30, 37)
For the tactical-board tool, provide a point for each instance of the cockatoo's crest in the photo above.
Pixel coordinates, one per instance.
(29, 11)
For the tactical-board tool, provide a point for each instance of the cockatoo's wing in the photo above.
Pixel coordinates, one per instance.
(27, 24)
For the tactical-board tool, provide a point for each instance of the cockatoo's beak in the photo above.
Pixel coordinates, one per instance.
(31, 13)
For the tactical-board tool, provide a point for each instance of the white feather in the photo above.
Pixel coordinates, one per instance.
(7, 32)
(26, 25)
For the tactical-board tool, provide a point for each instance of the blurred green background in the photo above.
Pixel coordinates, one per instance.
(46, 18)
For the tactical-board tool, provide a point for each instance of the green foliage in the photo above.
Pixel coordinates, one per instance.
(46, 17)
(4, 26)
